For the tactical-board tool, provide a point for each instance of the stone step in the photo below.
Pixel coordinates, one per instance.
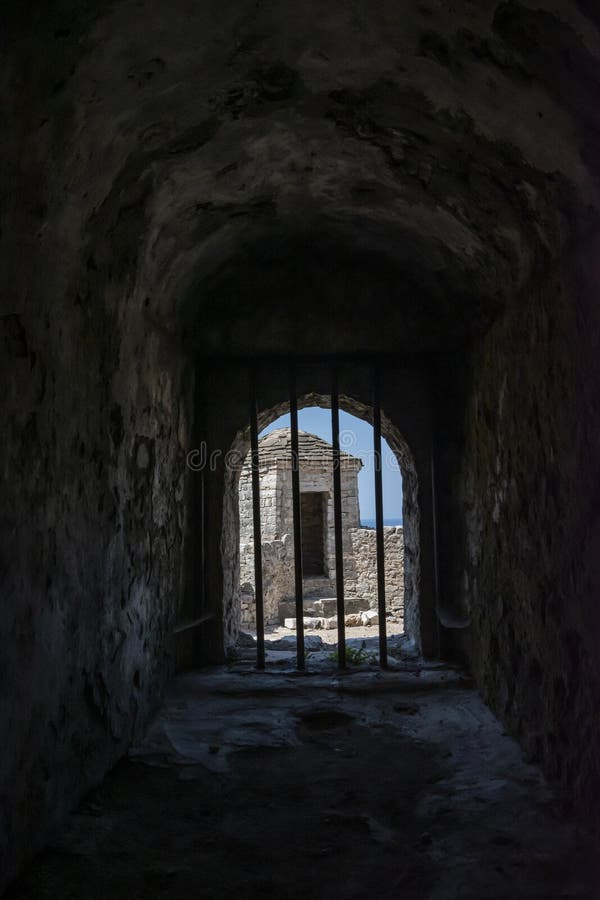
(318, 606)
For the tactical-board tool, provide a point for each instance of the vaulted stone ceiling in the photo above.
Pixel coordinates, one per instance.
(183, 179)
(201, 150)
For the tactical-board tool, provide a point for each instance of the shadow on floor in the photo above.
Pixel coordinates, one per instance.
(321, 650)
(376, 784)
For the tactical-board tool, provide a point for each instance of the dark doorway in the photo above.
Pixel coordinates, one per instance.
(312, 510)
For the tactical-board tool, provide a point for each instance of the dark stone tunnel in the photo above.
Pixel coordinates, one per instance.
(185, 185)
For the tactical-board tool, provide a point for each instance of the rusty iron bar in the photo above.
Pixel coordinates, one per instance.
(298, 578)
(337, 520)
(383, 658)
(258, 572)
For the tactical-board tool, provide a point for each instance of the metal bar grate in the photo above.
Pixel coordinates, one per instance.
(299, 591)
(337, 513)
(258, 573)
(379, 517)
(337, 519)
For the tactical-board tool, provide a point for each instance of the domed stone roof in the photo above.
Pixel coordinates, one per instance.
(277, 446)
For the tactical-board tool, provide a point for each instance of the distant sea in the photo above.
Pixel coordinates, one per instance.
(370, 523)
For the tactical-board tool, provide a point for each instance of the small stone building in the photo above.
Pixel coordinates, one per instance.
(318, 536)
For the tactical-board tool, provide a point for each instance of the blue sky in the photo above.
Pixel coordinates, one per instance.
(356, 437)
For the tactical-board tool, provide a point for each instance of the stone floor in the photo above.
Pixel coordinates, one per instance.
(397, 784)
(321, 648)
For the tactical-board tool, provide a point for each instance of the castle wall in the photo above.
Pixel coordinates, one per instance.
(277, 528)
(360, 568)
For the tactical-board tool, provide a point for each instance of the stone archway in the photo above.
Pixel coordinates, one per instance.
(231, 523)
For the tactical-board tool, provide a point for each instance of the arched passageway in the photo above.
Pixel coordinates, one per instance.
(188, 185)
(411, 519)
(225, 416)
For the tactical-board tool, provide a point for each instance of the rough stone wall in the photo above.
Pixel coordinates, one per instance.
(270, 502)
(276, 510)
(321, 479)
(95, 428)
(530, 488)
(277, 528)
(427, 161)
(93, 521)
(360, 572)
(278, 579)
(277, 525)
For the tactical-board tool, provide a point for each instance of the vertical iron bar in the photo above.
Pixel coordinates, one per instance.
(200, 511)
(203, 591)
(297, 521)
(201, 576)
(379, 517)
(258, 573)
(337, 519)
(435, 552)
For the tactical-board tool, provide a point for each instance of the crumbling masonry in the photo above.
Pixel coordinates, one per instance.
(318, 537)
